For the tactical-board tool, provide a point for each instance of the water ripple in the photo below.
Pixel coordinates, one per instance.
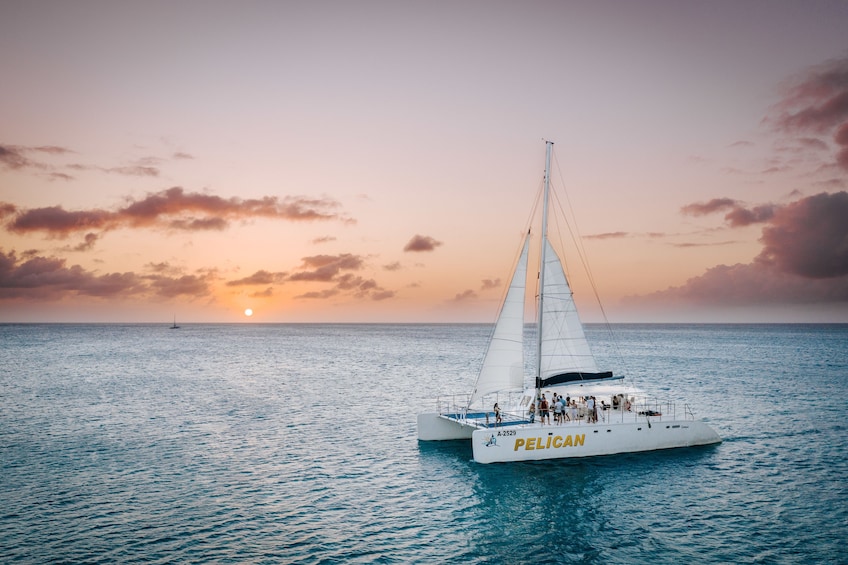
(296, 444)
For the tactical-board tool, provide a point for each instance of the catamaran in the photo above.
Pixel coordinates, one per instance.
(599, 412)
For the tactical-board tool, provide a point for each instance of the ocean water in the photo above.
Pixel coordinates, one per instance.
(297, 444)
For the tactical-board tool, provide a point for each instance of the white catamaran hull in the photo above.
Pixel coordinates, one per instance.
(534, 443)
(433, 427)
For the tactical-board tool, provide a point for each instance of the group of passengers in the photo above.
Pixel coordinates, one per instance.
(565, 409)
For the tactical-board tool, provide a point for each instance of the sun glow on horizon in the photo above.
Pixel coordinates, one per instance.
(248, 312)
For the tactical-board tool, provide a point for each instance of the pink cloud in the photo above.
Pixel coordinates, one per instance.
(608, 235)
(173, 208)
(751, 284)
(737, 214)
(714, 205)
(809, 237)
(49, 278)
(817, 103)
(804, 260)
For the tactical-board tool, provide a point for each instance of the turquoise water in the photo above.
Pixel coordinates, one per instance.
(297, 444)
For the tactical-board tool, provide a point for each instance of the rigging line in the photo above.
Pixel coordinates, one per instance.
(525, 234)
(581, 253)
(540, 188)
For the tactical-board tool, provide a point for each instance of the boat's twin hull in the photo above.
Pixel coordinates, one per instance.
(533, 443)
(433, 427)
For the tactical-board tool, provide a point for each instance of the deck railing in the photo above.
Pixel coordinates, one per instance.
(644, 408)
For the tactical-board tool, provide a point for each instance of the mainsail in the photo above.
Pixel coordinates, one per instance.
(564, 348)
(503, 365)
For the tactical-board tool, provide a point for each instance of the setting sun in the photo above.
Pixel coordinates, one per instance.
(248, 312)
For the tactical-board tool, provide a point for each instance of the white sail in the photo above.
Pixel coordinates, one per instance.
(503, 364)
(564, 348)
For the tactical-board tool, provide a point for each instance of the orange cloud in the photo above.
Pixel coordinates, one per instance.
(259, 278)
(421, 243)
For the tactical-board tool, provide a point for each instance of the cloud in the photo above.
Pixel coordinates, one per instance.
(489, 284)
(135, 171)
(740, 216)
(326, 267)
(174, 209)
(737, 214)
(809, 237)
(741, 143)
(812, 143)
(692, 244)
(817, 100)
(259, 278)
(608, 235)
(7, 209)
(804, 260)
(751, 284)
(12, 157)
(817, 103)
(465, 295)
(841, 137)
(59, 222)
(49, 278)
(43, 278)
(189, 285)
(421, 243)
(714, 205)
(382, 295)
(394, 266)
(322, 294)
(267, 293)
(90, 240)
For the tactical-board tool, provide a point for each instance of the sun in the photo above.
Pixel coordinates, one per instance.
(248, 312)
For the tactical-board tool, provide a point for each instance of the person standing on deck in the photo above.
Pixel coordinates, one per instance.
(590, 409)
(557, 410)
(543, 410)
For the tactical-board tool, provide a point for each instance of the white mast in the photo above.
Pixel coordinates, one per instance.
(548, 146)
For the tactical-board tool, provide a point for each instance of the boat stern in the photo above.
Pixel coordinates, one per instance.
(435, 427)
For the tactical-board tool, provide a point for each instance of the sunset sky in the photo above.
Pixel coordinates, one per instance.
(376, 161)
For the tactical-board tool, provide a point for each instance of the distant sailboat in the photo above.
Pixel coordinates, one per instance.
(175, 326)
(604, 415)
